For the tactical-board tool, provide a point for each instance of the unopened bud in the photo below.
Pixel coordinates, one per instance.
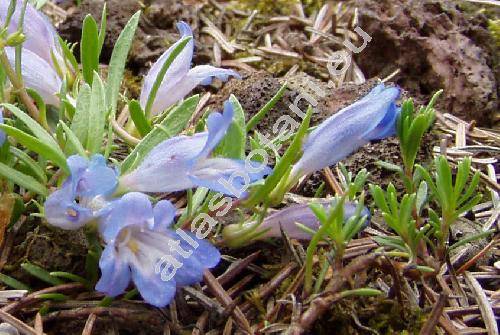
(15, 39)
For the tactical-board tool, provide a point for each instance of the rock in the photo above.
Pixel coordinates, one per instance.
(156, 30)
(435, 46)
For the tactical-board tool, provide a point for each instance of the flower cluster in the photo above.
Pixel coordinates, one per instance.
(138, 235)
(140, 242)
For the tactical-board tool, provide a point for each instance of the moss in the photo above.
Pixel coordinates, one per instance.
(270, 7)
(494, 27)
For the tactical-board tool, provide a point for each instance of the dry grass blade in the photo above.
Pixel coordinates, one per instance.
(38, 324)
(18, 324)
(223, 297)
(483, 302)
(89, 325)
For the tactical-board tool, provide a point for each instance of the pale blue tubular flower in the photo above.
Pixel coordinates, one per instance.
(84, 196)
(371, 118)
(289, 220)
(2, 134)
(142, 246)
(38, 75)
(183, 162)
(179, 79)
(41, 37)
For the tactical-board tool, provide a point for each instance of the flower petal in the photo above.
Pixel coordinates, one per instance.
(217, 125)
(228, 176)
(37, 75)
(131, 209)
(2, 134)
(97, 179)
(204, 74)
(62, 211)
(115, 271)
(175, 74)
(347, 130)
(153, 290)
(164, 214)
(166, 167)
(204, 256)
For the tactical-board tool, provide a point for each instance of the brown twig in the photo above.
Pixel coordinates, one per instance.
(430, 325)
(223, 297)
(320, 304)
(33, 297)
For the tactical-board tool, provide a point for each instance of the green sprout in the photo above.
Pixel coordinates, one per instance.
(399, 217)
(453, 198)
(335, 230)
(410, 129)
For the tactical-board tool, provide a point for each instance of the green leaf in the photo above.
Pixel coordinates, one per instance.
(90, 117)
(470, 189)
(139, 118)
(30, 163)
(379, 198)
(161, 74)
(471, 238)
(79, 124)
(96, 116)
(421, 196)
(233, 144)
(172, 125)
(73, 140)
(14, 283)
(118, 60)
(281, 168)
(71, 276)
(461, 177)
(444, 182)
(89, 48)
(38, 146)
(102, 29)
(41, 274)
(33, 126)
(389, 166)
(53, 296)
(68, 54)
(254, 121)
(362, 292)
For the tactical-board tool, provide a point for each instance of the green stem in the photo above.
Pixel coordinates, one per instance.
(311, 249)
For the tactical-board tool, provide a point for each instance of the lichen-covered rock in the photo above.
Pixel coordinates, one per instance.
(435, 46)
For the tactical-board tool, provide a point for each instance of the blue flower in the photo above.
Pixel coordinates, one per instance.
(40, 51)
(179, 79)
(371, 118)
(141, 246)
(183, 162)
(286, 220)
(38, 75)
(84, 196)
